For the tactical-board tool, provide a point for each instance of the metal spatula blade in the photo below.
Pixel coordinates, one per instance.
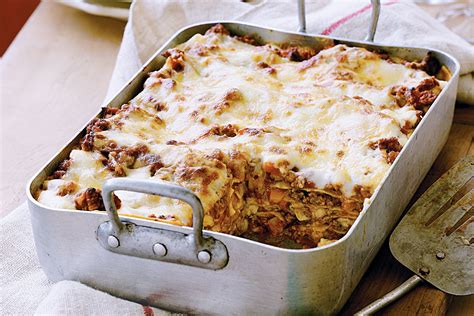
(435, 239)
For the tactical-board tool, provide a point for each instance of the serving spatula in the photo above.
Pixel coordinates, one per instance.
(435, 239)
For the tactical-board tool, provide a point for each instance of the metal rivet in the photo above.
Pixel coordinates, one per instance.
(424, 271)
(113, 241)
(159, 250)
(440, 255)
(204, 256)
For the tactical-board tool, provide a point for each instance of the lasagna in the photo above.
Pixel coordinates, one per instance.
(282, 144)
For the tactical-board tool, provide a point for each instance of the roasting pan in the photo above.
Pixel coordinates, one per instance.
(246, 277)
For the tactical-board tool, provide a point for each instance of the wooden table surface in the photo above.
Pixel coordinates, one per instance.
(54, 77)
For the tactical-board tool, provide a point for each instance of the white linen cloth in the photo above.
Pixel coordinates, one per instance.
(25, 290)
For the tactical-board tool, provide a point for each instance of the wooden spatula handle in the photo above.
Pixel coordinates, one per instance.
(390, 297)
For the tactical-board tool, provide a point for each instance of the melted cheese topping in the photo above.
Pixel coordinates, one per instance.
(299, 106)
(318, 118)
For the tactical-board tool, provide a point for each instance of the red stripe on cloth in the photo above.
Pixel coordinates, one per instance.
(147, 311)
(341, 21)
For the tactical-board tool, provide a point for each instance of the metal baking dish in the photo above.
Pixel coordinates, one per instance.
(242, 276)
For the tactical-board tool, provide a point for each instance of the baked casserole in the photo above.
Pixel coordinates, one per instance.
(282, 144)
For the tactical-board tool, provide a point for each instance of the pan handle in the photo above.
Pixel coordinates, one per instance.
(301, 16)
(161, 188)
(390, 297)
(374, 18)
(158, 243)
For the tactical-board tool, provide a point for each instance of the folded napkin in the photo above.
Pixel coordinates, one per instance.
(151, 23)
(24, 289)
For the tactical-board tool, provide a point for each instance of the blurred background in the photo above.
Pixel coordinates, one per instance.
(457, 15)
(12, 17)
